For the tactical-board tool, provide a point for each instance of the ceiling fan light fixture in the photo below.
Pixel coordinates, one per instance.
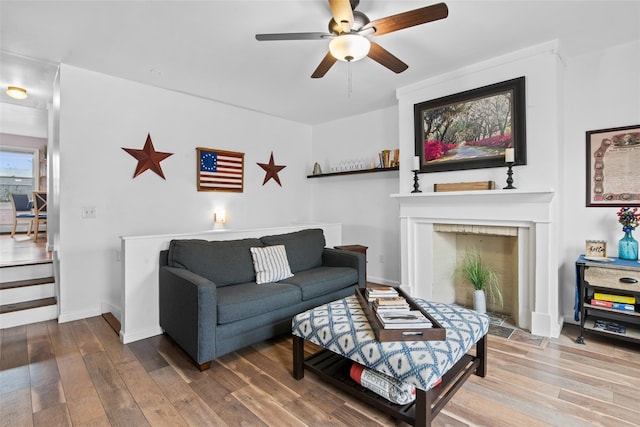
(349, 47)
(17, 92)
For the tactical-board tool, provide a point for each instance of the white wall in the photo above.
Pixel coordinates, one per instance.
(602, 91)
(360, 202)
(99, 115)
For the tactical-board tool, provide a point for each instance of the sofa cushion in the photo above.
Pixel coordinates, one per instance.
(222, 262)
(247, 300)
(323, 280)
(270, 264)
(304, 248)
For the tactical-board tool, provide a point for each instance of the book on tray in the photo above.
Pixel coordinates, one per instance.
(390, 303)
(380, 292)
(403, 319)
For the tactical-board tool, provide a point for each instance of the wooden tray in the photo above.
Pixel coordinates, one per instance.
(436, 333)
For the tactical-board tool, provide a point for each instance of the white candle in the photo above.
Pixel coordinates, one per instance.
(416, 163)
(508, 155)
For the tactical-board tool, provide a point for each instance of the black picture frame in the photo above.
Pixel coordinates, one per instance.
(458, 121)
(613, 156)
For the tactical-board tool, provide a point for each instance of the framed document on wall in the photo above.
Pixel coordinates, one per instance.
(613, 166)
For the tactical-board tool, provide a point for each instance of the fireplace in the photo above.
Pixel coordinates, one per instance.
(498, 248)
(527, 214)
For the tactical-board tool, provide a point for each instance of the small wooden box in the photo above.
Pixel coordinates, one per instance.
(436, 333)
(465, 186)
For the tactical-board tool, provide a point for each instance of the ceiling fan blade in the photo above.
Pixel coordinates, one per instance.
(342, 13)
(408, 19)
(386, 58)
(326, 63)
(293, 36)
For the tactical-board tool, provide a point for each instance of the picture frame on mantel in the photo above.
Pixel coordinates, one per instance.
(472, 129)
(613, 156)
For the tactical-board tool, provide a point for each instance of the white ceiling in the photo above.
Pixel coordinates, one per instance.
(208, 48)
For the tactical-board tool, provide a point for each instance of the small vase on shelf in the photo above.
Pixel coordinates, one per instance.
(628, 247)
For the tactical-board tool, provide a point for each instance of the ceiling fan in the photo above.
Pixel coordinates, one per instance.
(349, 30)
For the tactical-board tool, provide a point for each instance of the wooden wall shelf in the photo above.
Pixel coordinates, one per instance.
(359, 171)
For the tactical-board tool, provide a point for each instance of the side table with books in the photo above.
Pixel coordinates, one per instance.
(608, 298)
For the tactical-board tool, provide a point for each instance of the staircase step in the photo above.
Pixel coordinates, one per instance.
(40, 313)
(28, 282)
(27, 305)
(16, 273)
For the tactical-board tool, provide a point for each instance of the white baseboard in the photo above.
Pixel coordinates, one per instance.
(381, 281)
(129, 337)
(78, 315)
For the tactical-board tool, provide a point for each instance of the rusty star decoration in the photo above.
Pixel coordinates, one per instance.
(271, 170)
(148, 158)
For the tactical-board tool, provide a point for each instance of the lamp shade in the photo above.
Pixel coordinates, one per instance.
(16, 92)
(349, 47)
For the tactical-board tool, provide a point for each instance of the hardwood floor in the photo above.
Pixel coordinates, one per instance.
(79, 373)
(22, 249)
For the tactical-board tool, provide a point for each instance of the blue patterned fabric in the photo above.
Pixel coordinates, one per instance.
(342, 327)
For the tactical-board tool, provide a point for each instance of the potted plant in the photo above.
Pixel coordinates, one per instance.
(483, 279)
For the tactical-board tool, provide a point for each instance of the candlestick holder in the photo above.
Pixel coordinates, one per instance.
(416, 185)
(509, 177)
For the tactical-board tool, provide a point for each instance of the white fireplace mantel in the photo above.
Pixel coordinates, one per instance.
(531, 211)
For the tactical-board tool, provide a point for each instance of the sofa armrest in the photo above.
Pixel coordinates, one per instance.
(341, 258)
(188, 312)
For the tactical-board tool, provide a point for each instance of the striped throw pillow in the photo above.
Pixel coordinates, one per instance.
(270, 263)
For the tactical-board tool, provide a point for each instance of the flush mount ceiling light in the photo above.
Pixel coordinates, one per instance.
(16, 92)
(349, 47)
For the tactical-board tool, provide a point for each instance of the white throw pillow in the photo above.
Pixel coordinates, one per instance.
(270, 263)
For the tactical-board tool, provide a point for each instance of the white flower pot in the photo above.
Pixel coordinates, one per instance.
(479, 301)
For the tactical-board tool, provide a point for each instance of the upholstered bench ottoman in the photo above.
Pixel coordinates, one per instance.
(342, 329)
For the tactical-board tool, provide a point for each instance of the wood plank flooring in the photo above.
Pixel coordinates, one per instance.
(79, 373)
(21, 249)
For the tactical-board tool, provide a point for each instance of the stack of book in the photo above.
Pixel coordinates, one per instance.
(380, 292)
(615, 302)
(403, 319)
(390, 304)
(393, 310)
(609, 326)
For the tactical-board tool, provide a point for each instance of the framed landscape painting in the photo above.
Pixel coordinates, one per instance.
(613, 159)
(472, 129)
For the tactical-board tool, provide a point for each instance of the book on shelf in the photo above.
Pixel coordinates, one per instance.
(614, 305)
(609, 326)
(614, 298)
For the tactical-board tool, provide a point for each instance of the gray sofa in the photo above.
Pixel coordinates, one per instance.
(210, 303)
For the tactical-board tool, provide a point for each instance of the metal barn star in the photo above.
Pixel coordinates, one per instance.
(272, 170)
(148, 158)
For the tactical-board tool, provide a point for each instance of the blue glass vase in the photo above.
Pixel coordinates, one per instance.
(628, 247)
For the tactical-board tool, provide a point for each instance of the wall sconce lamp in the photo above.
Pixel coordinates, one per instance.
(219, 217)
(16, 92)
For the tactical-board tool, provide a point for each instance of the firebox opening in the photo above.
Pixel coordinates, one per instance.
(498, 247)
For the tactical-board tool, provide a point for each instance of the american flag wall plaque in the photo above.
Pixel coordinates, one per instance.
(220, 170)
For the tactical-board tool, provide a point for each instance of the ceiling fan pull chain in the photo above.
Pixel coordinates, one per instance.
(349, 80)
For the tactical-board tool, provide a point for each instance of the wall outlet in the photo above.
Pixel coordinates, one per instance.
(381, 260)
(89, 212)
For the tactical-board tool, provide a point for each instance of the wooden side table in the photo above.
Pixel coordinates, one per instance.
(357, 248)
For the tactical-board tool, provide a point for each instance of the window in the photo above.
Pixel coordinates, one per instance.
(18, 171)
